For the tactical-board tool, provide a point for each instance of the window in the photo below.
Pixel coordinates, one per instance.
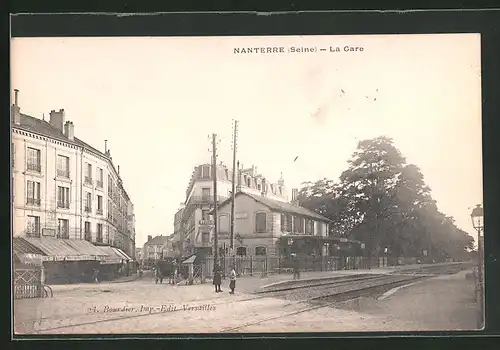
(205, 214)
(63, 228)
(224, 223)
(205, 237)
(241, 251)
(88, 235)
(99, 205)
(110, 185)
(286, 223)
(33, 226)
(88, 202)
(99, 233)
(260, 222)
(88, 174)
(62, 166)
(298, 225)
(309, 227)
(260, 250)
(249, 182)
(258, 187)
(62, 197)
(33, 193)
(205, 171)
(33, 160)
(205, 193)
(100, 178)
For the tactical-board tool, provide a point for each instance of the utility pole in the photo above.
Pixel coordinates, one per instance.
(214, 176)
(233, 193)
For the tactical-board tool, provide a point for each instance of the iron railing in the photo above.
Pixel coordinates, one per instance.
(87, 180)
(28, 283)
(99, 184)
(88, 209)
(33, 234)
(63, 173)
(37, 167)
(33, 201)
(63, 204)
(99, 211)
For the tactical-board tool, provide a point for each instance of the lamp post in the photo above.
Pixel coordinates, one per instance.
(477, 217)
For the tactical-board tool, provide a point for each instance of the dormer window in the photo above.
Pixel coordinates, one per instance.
(205, 171)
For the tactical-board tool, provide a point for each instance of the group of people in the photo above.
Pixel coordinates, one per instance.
(172, 272)
(218, 279)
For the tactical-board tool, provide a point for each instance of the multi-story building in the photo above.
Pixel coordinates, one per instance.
(139, 254)
(261, 223)
(153, 248)
(193, 229)
(63, 187)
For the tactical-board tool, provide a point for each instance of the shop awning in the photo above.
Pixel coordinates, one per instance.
(325, 239)
(112, 257)
(55, 249)
(26, 253)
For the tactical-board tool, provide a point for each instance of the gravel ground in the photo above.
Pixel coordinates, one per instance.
(441, 303)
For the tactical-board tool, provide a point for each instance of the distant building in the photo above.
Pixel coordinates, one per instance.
(262, 223)
(64, 188)
(139, 253)
(169, 248)
(193, 228)
(153, 248)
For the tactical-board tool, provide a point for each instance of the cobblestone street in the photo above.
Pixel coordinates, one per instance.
(141, 306)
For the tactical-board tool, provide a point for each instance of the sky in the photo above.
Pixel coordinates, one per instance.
(157, 100)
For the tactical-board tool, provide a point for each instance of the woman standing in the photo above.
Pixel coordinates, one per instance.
(232, 282)
(217, 279)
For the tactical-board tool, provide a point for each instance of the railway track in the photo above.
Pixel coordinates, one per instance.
(318, 294)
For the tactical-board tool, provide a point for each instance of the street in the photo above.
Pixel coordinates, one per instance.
(443, 302)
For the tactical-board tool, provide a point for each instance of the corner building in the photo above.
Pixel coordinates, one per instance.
(64, 188)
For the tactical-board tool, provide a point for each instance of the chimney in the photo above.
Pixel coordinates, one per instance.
(295, 192)
(281, 181)
(150, 238)
(106, 147)
(57, 119)
(69, 130)
(16, 110)
(264, 186)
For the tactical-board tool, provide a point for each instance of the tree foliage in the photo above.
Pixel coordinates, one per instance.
(384, 202)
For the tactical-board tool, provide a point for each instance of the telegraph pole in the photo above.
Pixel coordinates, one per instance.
(233, 193)
(214, 176)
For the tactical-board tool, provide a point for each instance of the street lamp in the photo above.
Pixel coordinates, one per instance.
(477, 217)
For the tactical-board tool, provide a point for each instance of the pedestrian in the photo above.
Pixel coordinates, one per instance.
(296, 270)
(232, 280)
(217, 279)
(96, 275)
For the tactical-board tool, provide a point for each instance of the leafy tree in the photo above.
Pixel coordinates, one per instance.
(385, 202)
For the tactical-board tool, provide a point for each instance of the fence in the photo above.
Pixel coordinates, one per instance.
(28, 283)
(263, 265)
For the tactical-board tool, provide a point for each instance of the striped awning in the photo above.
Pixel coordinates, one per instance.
(56, 249)
(115, 255)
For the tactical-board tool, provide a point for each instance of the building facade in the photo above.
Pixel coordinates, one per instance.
(153, 248)
(261, 222)
(64, 188)
(193, 227)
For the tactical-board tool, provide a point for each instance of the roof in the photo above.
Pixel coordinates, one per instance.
(26, 253)
(282, 207)
(158, 240)
(116, 255)
(43, 127)
(73, 249)
(190, 260)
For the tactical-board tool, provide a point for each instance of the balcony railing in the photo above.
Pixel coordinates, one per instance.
(206, 222)
(99, 211)
(99, 184)
(88, 209)
(63, 204)
(205, 199)
(33, 234)
(63, 234)
(99, 238)
(63, 173)
(33, 201)
(88, 236)
(37, 167)
(87, 180)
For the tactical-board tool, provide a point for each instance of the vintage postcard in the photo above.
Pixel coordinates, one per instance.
(259, 184)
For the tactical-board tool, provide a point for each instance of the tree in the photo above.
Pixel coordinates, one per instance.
(385, 202)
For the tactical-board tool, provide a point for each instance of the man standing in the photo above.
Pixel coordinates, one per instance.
(232, 282)
(296, 270)
(217, 279)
